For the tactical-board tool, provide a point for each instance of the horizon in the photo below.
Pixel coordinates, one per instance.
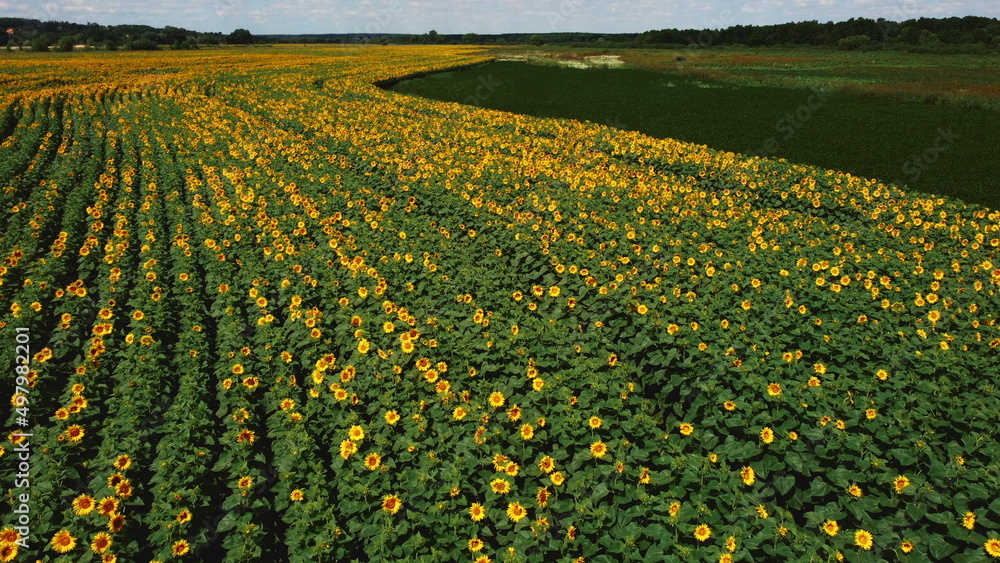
(418, 17)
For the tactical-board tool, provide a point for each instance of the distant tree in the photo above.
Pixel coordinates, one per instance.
(909, 35)
(240, 37)
(432, 36)
(40, 44)
(537, 40)
(927, 37)
(142, 44)
(208, 40)
(471, 39)
(65, 45)
(854, 42)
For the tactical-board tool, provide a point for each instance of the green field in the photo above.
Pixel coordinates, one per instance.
(948, 149)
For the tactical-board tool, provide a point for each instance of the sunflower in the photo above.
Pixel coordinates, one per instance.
(557, 478)
(373, 461)
(356, 434)
(767, 435)
(527, 431)
(124, 488)
(516, 512)
(748, 475)
(500, 486)
(107, 506)
(63, 541)
(9, 536)
(686, 428)
(992, 547)
(863, 539)
(477, 512)
(8, 552)
(969, 520)
(831, 528)
(347, 449)
(595, 422)
(476, 544)
(123, 462)
(729, 406)
(496, 399)
(184, 516)
(702, 532)
(84, 505)
(906, 546)
(116, 522)
(773, 389)
(547, 464)
(674, 508)
(901, 483)
(542, 497)
(180, 547)
(296, 496)
(854, 491)
(75, 433)
(391, 504)
(100, 542)
(598, 449)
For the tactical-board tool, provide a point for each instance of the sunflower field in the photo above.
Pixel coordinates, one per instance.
(256, 308)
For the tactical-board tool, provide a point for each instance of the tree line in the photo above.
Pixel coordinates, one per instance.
(63, 36)
(953, 34)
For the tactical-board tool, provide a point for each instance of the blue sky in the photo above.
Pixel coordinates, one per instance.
(479, 16)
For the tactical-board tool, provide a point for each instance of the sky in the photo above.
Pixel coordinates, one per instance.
(479, 16)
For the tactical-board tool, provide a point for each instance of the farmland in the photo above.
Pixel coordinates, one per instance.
(257, 308)
(921, 122)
